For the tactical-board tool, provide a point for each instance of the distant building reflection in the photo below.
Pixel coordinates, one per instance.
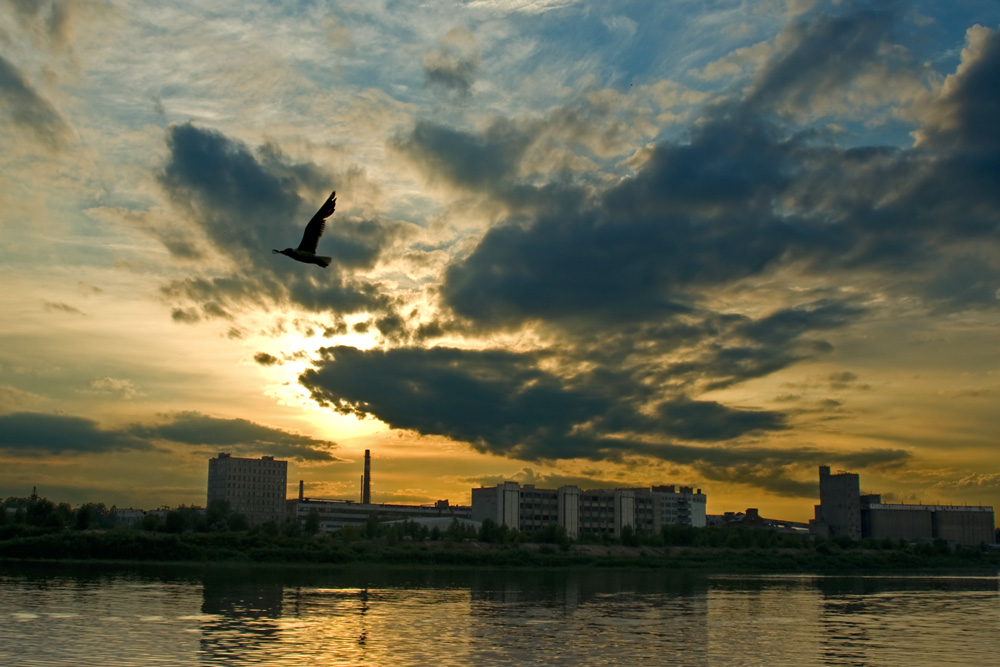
(243, 620)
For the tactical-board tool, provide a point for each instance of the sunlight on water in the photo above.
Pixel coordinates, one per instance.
(254, 616)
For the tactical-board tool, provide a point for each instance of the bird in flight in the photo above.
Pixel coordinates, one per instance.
(306, 252)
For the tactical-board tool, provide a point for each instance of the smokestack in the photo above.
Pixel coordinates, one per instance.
(302, 489)
(366, 484)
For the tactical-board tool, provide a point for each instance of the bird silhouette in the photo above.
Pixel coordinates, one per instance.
(306, 252)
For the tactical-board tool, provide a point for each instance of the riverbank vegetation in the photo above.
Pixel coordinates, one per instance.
(40, 530)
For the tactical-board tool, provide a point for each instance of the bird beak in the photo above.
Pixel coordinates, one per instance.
(274, 252)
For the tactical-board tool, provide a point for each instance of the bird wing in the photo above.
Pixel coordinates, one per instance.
(310, 239)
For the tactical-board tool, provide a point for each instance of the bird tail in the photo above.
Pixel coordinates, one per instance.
(323, 261)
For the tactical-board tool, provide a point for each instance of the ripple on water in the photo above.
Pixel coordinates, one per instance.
(584, 618)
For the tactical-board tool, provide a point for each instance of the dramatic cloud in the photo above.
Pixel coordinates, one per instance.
(726, 243)
(465, 159)
(245, 204)
(505, 403)
(39, 434)
(821, 60)
(240, 436)
(964, 115)
(624, 277)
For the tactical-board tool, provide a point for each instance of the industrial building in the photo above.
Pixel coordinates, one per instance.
(254, 488)
(594, 512)
(843, 511)
(839, 510)
(336, 514)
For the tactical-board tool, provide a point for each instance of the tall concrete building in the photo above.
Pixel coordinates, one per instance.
(501, 503)
(839, 509)
(254, 488)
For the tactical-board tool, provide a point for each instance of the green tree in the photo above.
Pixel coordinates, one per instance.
(38, 510)
(491, 532)
(629, 536)
(312, 522)
(237, 522)
(291, 528)
(371, 529)
(151, 522)
(174, 522)
(268, 529)
(84, 517)
(216, 515)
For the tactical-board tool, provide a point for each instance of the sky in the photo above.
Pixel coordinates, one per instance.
(706, 243)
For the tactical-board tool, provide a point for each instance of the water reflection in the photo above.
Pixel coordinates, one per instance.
(866, 620)
(240, 620)
(287, 616)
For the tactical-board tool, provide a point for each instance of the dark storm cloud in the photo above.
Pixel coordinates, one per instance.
(706, 214)
(743, 348)
(741, 198)
(465, 159)
(238, 435)
(784, 326)
(623, 278)
(37, 434)
(696, 216)
(773, 476)
(239, 203)
(965, 115)
(357, 244)
(29, 110)
(504, 403)
(495, 400)
(708, 420)
(247, 203)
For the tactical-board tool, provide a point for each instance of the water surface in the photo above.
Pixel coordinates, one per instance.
(59, 615)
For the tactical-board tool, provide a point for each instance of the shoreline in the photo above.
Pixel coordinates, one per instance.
(127, 548)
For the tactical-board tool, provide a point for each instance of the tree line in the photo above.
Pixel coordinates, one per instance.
(32, 516)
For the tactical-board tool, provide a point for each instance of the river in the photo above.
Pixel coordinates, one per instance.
(176, 615)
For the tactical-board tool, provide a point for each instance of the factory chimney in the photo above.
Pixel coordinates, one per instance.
(302, 490)
(366, 484)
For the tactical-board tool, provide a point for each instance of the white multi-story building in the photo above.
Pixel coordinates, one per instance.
(594, 512)
(684, 506)
(254, 488)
